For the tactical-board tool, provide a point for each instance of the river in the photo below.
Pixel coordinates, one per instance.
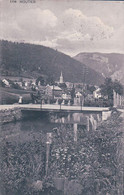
(23, 149)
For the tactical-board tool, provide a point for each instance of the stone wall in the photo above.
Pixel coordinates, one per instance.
(10, 115)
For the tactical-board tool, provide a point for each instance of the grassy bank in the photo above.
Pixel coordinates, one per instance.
(94, 164)
(10, 96)
(91, 166)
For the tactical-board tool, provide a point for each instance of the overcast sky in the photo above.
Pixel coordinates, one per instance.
(69, 26)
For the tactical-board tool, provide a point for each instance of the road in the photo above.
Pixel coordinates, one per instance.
(49, 107)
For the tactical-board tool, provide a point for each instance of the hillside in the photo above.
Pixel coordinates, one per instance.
(10, 96)
(109, 65)
(28, 60)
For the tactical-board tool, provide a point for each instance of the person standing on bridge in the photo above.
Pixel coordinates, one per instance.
(20, 100)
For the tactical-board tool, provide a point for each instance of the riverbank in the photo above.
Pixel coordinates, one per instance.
(11, 96)
(10, 115)
(14, 114)
(92, 164)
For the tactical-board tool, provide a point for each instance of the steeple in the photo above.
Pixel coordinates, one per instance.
(61, 78)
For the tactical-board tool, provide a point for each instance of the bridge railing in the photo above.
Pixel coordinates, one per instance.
(54, 107)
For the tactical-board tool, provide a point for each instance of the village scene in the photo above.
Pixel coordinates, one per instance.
(69, 132)
(61, 92)
(61, 97)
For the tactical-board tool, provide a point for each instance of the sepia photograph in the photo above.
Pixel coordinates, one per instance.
(61, 97)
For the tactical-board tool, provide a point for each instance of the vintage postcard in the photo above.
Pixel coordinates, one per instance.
(61, 97)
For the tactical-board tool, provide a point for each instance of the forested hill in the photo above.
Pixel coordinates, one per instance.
(29, 60)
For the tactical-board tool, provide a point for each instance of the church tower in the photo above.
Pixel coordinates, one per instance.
(61, 78)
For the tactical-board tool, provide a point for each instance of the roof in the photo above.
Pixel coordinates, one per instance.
(55, 88)
(98, 90)
(5, 79)
(9, 81)
(78, 93)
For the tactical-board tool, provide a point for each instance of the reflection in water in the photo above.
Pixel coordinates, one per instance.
(23, 148)
(75, 132)
(78, 118)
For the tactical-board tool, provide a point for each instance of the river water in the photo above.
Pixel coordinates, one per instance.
(23, 149)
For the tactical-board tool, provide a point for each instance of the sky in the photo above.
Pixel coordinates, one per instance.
(70, 26)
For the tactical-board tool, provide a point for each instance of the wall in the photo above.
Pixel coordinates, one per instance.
(10, 115)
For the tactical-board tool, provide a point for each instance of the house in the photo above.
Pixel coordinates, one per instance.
(66, 96)
(78, 94)
(80, 85)
(33, 82)
(78, 99)
(69, 85)
(19, 83)
(89, 97)
(53, 91)
(26, 84)
(6, 82)
(78, 90)
(42, 89)
(97, 93)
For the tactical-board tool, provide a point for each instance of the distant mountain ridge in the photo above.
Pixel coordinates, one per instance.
(29, 60)
(108, 64)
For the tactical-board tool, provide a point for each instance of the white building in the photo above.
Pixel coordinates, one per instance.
(66, 96)
(97, 93)
(78, 94)
(18, 83)
(6, 82)
(78, 99)
(69, 85)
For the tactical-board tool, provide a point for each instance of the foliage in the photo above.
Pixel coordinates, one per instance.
(36, 60)
(73, 93)
(118, 87)
(22, 164)
(11, 96)
(108, 87)
(92, 161)
(62, 85)
(50, 80)
(41, 80)
(2, 84)
(98, 103)
(59, 101)
(15, 86)
(90, 166)
(91, 88)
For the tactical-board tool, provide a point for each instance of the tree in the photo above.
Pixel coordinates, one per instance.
(15, 86)
(41, 80)
(2, 84)
(91, 164)
(73, 93)
(118, 87)
(63, 85)
(50, 80)
(91, 88)
(108, 87)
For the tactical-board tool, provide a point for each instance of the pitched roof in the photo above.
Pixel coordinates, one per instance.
(55, 88)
